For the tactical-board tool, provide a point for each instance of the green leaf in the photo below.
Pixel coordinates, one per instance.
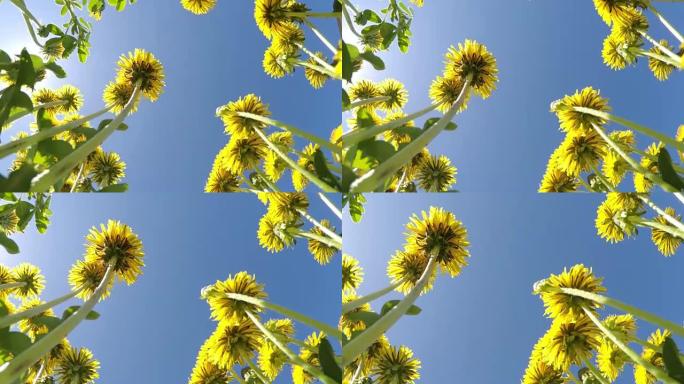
(673, 365)
(14, 342)
(25, 211)
(56, 148)
(116, 188)
(326, 355)
(50, 322)
(349, 54)
(372, 152)
(668, 173)
(432, 121)
(367, 318)
(322, 171)
(43, 213)
(412, 311)
(19, 180)
(356, 209)
(374, 60)
(92, 315)
(10, 246)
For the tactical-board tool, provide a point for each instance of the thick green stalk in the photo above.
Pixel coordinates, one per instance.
(661, 212)
(350, 24)
(308, 235)
(21, 114)
(632, 125)
(321, 37)
(320, 15)
(288, 352)
(4, 287)
(317, 68)
(373, 179)
(12, 370)
(358, 135)
(292, 129)
(647, 316)
(330, 205)
(39, 374)
(293, 164)
(635, 357)
(320, 61)
(320, 226)
(352, 305)
(654, 224)
(62, 169)
(237, 376)
(13, 318)
(32, 32)
(332, 331)
(371, 100)
(258, 372)
(18, 145)
(665, 59)
(22, 6)
(595, 372)
(661, 47)
(361, 342)
(667, 24)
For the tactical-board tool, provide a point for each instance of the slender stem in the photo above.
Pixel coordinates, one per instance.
(357, 373)
(320, 226)
(679, 197)
(290, 128)
(288, 352)
(10, 319)
(330, 205)
(350, 306)
(654, 347)
(657, 56)
(39, 374)
(632, 125)
(662, 48)
(573, 377)
(32, 32)
(258, 372)
(603, 179)
(371, 180)
(313, 178)
(320, 61)
(358, 135)
(4, 287)
(18, 145)
(361, 342)
(60, 170)
(237, 376)
(350, 23)
(401, 181)
(368, 101)
(653, 224)
(22, 6)
(647, 316)
(667, 24)
(23, 113)
(657, 372)
(318, 68)
(661, 212)
(321, 15)
(595, 372)
(332, 331)
(308, 235)
(78, 178)
(321, 37)
(12, 370)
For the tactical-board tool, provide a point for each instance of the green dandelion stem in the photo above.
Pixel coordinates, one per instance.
(318, 68)
(368, 101)
(321, 37)
(357, 373)
(22, 7)
(32, 32)
(13, 318)
(353, 8)
(358, 135)
(632, 125)
(332, 331)
(18, 145)
(584, 183)
(371, 180)
(313, 178)
(78, 178)
(4, 287)
(401, 181)
(319, 15)
(258, 372)
(308, 235)
(320, 226)
(595, 372)
(39, 374)
(661, 212)
(661, 47)
(646, 344)
(237, 376)
(330, 205)
(644, 315)
(60, 170)
(361, 342)
(667, 24)
(351, 26)
(573, 377)
(12, 370)
(678, 168)
(267, 181)
(288, 352)
(352, 305)
(314, 56)
(21, 114)
(656, 225)
(603, 179)
(656, 56)
(657, 372)
(290, 128)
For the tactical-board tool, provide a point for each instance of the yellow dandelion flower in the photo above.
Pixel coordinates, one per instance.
(363, 89)
(406, 268)
(565, 307)
(372, 40)
(31, 326)
(309, 355)
(395, 91)
(222, 180)
(439, 231)
(53, 50)
(273, 235)
(77, 366)
(611, 10)
(106, 168)
(623, 326)
(118, 95)
(581, 152)
(85, 277)
(539, 372)
(444, 92)
(322, 252)
(643, 184)
(243, 126)
(234, 342)
(630, 24)
(198, 7)
(396, 365)
(655, 357)
(287, 206)
(271, 360)
(660, 69)
(116, 243)
(316, 79)
(244, 153)
(277, 63)
(472, 60)
(352, 273)
(611, 222)
(347, 324)
(290, 39)
(272, 17)
(72, 98)
(299, 181)
(610, 360)
(571, 342)
(9, 221)
(225, 308)
(572, 120)
(616, 53)
(44, 96)
(436, 174)
(142, 67)
(33, 281)
(666, 243)
(206, 372)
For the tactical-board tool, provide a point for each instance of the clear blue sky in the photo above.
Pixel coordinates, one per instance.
(481, 326)
(151, 331)
(209, 60)
(545, 49)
